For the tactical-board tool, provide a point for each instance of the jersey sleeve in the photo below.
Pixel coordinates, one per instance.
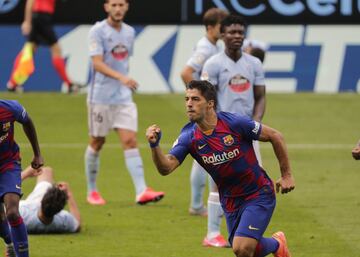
(259, 73)
(96, 45)
(210, 72)
(68, 222)
(180, 148)
(19, 112)
(199, 57)
(247, 127)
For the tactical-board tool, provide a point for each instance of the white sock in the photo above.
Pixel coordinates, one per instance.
(92, 163)
(197, 181)
(135, 167)
(214, 215)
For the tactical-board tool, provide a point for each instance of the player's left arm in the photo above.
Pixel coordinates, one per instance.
(29, 129)
(286, 183)
(259, 102)
(29, 172)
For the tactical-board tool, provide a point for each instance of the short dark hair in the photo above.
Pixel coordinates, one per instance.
(53, 201)
(214, 16)
(258, 53)
(206, 89)
(232, 19)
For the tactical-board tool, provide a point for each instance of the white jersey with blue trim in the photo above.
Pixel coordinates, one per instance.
(203, 50)
(235, 81)
(115, 47)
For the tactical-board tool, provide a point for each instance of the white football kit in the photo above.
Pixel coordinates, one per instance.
(203, 50)
(110, 103)
(63, 222)
(235, 81)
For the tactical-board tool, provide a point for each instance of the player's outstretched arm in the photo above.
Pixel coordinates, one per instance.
(29, 172)
(286, 183)
(30, 132)
(164, 163)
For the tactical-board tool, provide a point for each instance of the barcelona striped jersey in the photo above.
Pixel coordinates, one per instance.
(227, 154)
(10, 111)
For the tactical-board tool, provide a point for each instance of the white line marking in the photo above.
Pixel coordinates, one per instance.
(166, 145)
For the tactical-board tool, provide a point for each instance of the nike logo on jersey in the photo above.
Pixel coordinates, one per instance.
(252, 228)
(201, 146)
(18, 187)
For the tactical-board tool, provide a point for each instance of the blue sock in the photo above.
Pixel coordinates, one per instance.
(5, 231)
(266, 246)
(214, 215)
(134, 165)
(92, 163)
(19, 237)
(197, 181)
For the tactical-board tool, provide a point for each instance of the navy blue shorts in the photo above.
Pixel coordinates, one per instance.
(252, 219)
(10, 180)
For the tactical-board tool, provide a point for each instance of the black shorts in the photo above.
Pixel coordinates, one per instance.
(42, 32)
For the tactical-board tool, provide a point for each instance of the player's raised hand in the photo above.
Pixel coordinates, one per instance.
(285, 184)
(153, 135)
(64, 186)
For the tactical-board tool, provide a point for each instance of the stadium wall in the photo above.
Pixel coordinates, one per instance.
(315, 58)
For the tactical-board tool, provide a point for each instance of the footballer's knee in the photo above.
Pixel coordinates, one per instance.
(97, 143)
(12, 212)
(244, 247)
(243, 251)
(129, 143)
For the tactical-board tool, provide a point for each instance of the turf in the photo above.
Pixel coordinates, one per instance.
(320, 218)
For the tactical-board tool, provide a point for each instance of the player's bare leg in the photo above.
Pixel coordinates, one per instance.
(17, 226)
(134, 165)
(92, 163)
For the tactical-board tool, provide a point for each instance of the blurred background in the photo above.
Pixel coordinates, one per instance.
(313, 45)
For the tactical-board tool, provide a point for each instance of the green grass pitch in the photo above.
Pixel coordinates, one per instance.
(320, 218)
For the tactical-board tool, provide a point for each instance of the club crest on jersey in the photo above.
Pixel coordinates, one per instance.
(120, 52)
(239, 84)
(228, 140)
(6, 126)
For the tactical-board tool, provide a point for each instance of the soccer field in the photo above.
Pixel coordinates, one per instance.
(320, 217)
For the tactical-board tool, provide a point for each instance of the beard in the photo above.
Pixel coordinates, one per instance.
(116, 19)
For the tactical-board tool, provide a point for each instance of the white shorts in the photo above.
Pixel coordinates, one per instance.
(39, 191)
(103, 118)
